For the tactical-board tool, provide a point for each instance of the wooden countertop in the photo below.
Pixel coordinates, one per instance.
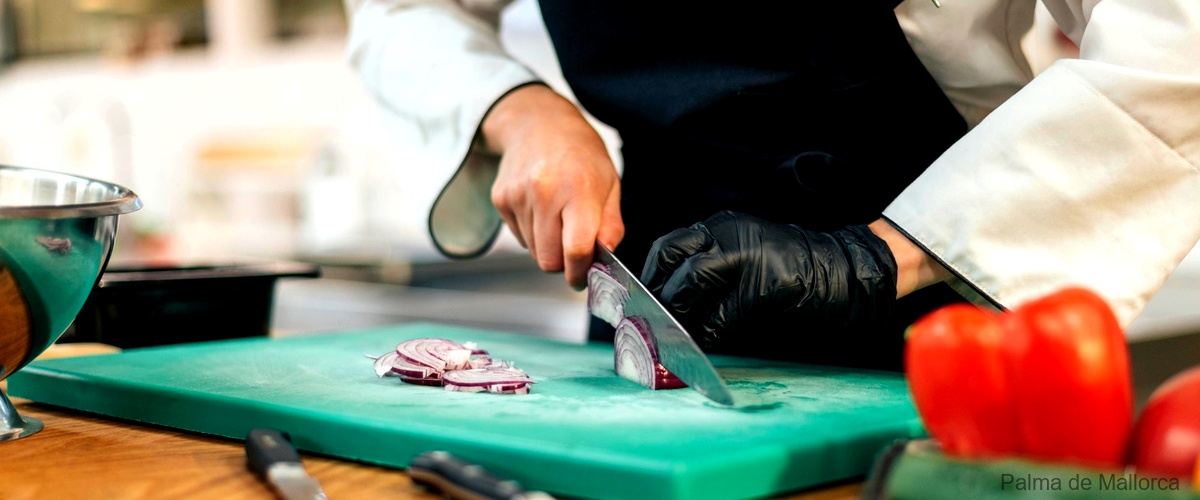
(83, 456)
(80, 455)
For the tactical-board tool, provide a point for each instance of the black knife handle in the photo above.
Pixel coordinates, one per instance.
(458, 479)
(267, 447)
(875, 485)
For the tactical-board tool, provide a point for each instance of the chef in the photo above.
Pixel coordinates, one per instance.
(804, 180)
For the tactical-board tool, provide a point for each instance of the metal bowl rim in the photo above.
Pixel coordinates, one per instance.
(126, 201)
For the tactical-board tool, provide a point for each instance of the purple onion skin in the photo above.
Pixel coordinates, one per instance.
(422, 381)
(664, 379)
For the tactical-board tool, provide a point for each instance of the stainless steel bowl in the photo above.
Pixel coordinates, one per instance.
(56, 234)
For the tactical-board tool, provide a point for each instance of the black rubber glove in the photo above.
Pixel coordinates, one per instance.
(735, 279)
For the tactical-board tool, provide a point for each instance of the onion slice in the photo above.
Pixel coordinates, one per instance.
(635, 358)
(421, 381)
(457, 367)
(383, 364)
(606, 295)
(634, 355)
(497, 389)
(405, 369)
(432, 352)
(494, 378)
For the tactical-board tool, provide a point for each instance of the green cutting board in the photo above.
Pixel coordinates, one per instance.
(582, 431)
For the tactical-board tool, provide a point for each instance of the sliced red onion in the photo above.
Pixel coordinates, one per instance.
(463, 388)
(410, 370)
(635, 358)
(430, 361)
(498, 379)
(606, 295)
(422, 381)
(458, 359)
(383, 364)
(497, 389)
(491, 375)
(431, 352)
(507, 387)
(392, 364)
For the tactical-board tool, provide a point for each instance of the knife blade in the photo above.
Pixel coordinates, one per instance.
(269, 453)
(676, 349)
(461, 480)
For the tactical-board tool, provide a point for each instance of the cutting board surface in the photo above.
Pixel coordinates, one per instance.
(582, 431)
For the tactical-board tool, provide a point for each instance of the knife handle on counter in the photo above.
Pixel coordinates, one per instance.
(460, 480)
(267, 447)
(270, 454)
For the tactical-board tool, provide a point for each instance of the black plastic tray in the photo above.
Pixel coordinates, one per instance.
(148, 306)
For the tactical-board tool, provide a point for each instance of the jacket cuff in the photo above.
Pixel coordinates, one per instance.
(1059, 186)
(463, 223)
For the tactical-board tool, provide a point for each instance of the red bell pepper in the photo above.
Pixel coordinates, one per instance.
(1196, 475)
(1166, 437)
(1049, 380)
(958, 375)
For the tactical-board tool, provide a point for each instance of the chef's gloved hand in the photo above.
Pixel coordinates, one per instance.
(735, 279)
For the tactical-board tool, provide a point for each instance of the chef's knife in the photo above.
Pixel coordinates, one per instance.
(460, 480)
(270, 454)
(676, 349)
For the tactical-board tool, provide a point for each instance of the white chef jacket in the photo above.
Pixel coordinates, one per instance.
(1085, 175)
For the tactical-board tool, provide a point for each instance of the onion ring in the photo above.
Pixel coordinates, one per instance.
(405, 369)
(497, 379)
(421, 381)
(383, 364)
(606, 295)
(635, 358)
(431, 352)
(430, 361)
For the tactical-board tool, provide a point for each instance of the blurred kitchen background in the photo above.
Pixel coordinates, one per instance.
(248, 136)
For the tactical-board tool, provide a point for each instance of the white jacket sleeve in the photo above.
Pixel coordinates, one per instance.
(436, 67)
(1086, 176)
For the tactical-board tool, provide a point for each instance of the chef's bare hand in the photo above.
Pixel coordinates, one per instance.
(557, 188)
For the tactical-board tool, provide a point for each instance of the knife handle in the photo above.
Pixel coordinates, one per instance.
(875, 485)
(461, 480)
(267, 447)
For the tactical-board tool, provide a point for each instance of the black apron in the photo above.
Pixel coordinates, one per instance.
(810, 113)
